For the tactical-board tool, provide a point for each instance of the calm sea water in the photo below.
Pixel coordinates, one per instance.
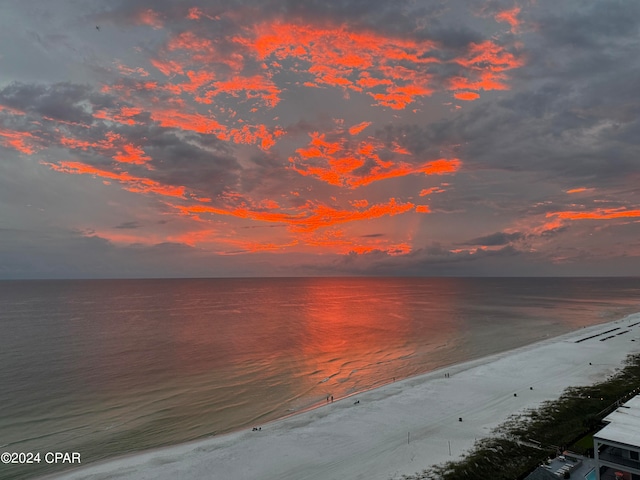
(107, 367)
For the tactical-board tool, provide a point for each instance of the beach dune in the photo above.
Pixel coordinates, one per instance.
(401, 428)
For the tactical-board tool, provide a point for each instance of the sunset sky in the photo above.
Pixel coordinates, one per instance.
(145, 138)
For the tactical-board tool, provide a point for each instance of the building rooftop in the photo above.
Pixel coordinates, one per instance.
(623, 424)
(578, 466)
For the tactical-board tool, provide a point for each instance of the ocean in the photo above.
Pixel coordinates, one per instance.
(111, 367)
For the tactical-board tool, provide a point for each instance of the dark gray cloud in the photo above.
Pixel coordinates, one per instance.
(495, 239)
(68, 254)
(437, 260)
(196, 161)
(61, 101)
(129, 225)
(589, 26)
(376, 13)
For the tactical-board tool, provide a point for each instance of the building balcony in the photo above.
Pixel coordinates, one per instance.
(614, 455)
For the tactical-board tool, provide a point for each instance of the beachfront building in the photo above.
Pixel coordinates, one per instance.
(617, 445)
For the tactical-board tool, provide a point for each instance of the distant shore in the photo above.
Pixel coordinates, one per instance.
(400, 428)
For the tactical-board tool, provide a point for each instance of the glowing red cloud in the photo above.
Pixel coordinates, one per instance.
(429, 191)
(356, 129)
(510, 17)
(197, 80)
(254, 134)
(194, 122)
(131, 154)
(468, 96)
(579, 190)
(123, 69)
(149, 17)
(194, 13)
(489, 56)
(393, 71)
(113, 144)
(255, 86)
(335, 241)
(597, 214)
(484, 62)
(130, 182)
(342, 163)
(17, 140)
(193, 238)
(487, 81)
(360, 203)
(209, 84)
(123, 115)
(255, 247)
(167, 67)
(265, 137)
(202, 52)
(14, 111)
(312, 218)
(337, 56)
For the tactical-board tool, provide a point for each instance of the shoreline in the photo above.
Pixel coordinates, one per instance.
(398, 428)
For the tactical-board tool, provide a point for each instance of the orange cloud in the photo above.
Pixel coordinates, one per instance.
(342, 164)
(393, 71)
(194, 122)
(485, 63)
(113, 144)
(230, 77)
(203, 51)
(334, 241)
(130, 182)
(356, 129)
(17, 140)
(598, 214)
(198, 80)
(579, 190)
(193, 238)
(131, 154)
(194, 13)
(258, 134)
(324, 216)
(510, 17)
(14, 111)
(167, 67)
(489, 56)
(487, 81)
(468, 96)
(255, 247)
(360, 203)
(123, 69)
(312, 218)
(123, 115)
(429, 191)
(343, 58)
(149, 17)
(256, 86)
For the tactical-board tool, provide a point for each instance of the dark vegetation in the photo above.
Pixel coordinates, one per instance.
(526, 440)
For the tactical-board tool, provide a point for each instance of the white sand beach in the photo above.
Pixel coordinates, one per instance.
(397, 429)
